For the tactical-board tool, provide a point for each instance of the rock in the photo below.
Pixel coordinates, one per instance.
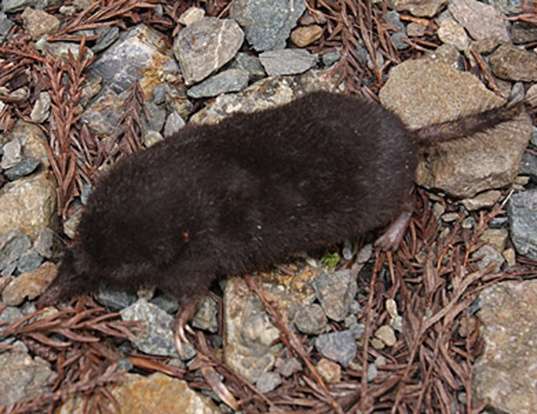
(510, 256)
(329, 371)
(393, 18)
(452, 33)
(386, 334)
(140, 55)
(5, 26)
(29, 261)
(205, 46)
(166, 302)
(522, 209)
(422, 92)
(267, 24)
(71, 224)
(28, 204)
(61, 50)
(425, 8)
(191, 15)
(22, 377)
(528, 166)
(12, 154)
(287, 61)
(497, 238)
(107, 36)
(310, 319)
(231, 80)
(23, 168)
(41, 109)
(206, 317)
(399, 40)
(286, 367)
(250, 64)
(10, 314)
(156, 116)
(104, 114)
(156, 393)
(156, 337)
(268, 382)
(372, 372)
(264, 94)
(13, 245)
(330, 58)
(173, 124)
(30, 142)
(450, 217)
(447, 54)
(90, 88)
(415, 29)
(482, 200)
(150, 138)
(481, 20)
(506, 373)
(39, 23)
(11, 6)
(337, 346)
(336, 292)
(510, 62)
(487, 255)
(29, 285)
(523, 33)
(306, 35)
(115, 299)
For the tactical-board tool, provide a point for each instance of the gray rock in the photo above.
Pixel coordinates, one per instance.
(11, 6)
(140, 55)
(205, 46)
(46, 243)
(336, 292)
(33, 141)
(231, 80)
(150, 138)
(62, 50)
(534, 137)
(157, 336)
(337, 346)
(452, 33)
(22, 376)
(268, 382)
(400, 40)
(173, 124)
(486, 199)
(156, 116)
(10, 314)
(104, 114)
(310, 319)
(29, 261)
(12, 154)
(330, 58)
(206, 317)
(512, 63)
(267, 24)
(528, 166)
(5, 25)
(427, 8)
(393, 18)
(12, 246)
(23, 168)
(422, 92)
(447, 54)
(115, 299)
(107, 36)
(266, 93)
(507, 6)
(481, 20)
(287, 61)
(522, 209)
(166, 302)
(250, 64)
(191, 15)
(38, 23)
(523, 33)
(41, 109)
(289, 366)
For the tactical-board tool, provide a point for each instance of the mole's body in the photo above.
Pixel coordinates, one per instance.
(243, 194)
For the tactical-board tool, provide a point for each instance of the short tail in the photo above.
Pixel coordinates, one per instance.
(468, 125)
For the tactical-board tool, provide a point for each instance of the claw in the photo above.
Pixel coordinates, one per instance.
(183, 316)
(395, 232)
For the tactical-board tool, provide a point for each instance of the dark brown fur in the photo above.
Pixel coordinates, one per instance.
(243, 194)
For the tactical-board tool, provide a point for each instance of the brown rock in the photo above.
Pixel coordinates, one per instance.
(486, 199)
(506, 374)
(452, 33)
(422, 92)
(39, 23)
(420, 8)
(510, 62)
(481, 20)
(156, 393)
(329, 371)
(29, 285)
(496, 238)
(305, 36)
(191, 15)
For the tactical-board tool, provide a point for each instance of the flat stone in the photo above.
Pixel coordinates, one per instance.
(22, 377)
(28, 204)
(29, 285)
(336, 292)
(505, 376)
(512, 63)
(23, 168)
(337, 346)
(497, 238)
(306, 35)
(231, 80)
(106, 37)
(266, 93)
(423, 8)
(41, 109)
(310, 319)
(141, 54)
(422, 92)
(447, 54)
(329, 371)
(173, 124)
(523, 33)
(205, 46)
(29, 261)
(452, 33)
(250, 64)
(191, 15)
(522, 209)
(115, 299)
(11, 6)
(287, 61)
(482, 21)
(482, 200)
(62, 50)
(39, 23)
(156, 337)
(156, 393)
(267, 24)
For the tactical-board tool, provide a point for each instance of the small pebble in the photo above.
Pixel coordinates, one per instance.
(330, 58)
(497, 238)
(310, 319)
(29, 261)
(191, 15)
(206, 317)
(289, 366)
(22, 169)
(268, 382)
(41, 109)
(166, 302)
(372, 372)
(329, 371)
(173, 124)
(377, 344)
(306, 35)
(450, 217)
(337, 346)
(386, 334)
(510, 256)
(115, 299)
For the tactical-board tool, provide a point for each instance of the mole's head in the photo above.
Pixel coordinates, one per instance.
(74, 278)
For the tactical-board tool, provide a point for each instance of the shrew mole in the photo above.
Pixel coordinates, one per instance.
(249, 192)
